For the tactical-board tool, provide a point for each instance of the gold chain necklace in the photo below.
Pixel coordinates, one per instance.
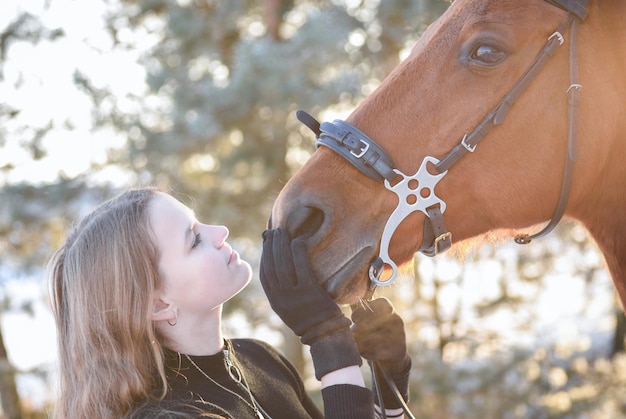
(235, 373)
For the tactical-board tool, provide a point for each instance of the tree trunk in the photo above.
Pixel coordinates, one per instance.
(620, 332)
(8, 389)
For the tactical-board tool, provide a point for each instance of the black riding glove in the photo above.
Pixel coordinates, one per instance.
(380, 336)
(304, 305)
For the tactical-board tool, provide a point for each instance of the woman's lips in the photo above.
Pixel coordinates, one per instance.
(234, 256)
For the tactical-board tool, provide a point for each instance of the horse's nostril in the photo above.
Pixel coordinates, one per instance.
(305, 221)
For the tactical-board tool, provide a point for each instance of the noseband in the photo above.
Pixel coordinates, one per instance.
(417, 192)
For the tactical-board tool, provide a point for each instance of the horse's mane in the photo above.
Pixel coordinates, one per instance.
(466, 249)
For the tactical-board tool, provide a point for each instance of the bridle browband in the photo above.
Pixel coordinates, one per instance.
(417, 192)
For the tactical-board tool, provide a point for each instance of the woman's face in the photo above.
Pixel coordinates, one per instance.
(199, 270)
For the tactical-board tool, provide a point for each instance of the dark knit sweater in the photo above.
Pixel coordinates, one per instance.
(272, 379)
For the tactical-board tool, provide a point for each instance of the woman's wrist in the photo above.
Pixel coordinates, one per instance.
(334, 351)
(389, 413)
(348, 375)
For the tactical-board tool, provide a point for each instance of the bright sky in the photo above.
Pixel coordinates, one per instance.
(39, 80)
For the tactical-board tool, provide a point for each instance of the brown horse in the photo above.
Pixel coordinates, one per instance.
(462, 78)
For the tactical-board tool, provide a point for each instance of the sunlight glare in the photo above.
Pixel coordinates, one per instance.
(39, 81)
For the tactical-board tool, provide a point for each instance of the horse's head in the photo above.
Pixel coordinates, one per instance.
(461, 70)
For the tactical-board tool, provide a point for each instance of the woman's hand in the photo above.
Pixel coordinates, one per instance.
(303, 305)
(380, 336)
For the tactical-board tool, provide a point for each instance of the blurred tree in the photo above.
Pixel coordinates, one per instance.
(224, 81)
(23, 27)
(473, 320)
(215, 121)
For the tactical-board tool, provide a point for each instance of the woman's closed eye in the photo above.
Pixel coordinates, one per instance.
(196, 241)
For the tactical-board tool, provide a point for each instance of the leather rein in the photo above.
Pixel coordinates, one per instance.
(373, 161)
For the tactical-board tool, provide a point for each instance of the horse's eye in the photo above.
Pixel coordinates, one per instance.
(487, 55)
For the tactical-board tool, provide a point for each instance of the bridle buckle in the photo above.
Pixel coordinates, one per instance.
(366, 146)
(467, 146)
(558, 36)
(442, 237)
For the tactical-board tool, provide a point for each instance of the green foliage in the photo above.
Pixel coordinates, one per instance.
(218, 120)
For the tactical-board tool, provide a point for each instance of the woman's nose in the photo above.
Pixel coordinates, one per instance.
(217, 234)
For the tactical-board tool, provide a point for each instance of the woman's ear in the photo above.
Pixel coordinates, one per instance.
(162, 310)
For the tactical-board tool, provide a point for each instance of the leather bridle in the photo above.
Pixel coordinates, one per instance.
(371, 159)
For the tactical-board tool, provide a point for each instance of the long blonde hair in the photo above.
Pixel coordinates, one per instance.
(103, 280)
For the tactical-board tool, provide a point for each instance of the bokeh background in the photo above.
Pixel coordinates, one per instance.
(199, 96)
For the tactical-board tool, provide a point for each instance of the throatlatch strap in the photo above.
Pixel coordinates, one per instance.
(573, 100)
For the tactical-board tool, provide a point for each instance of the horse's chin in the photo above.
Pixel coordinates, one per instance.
(351, 281)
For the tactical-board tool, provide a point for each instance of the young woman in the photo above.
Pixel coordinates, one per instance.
(137, 292)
